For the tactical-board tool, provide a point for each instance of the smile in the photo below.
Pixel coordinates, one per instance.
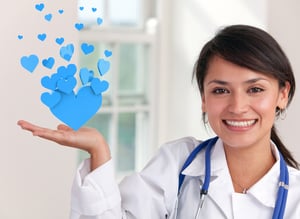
(241, 124)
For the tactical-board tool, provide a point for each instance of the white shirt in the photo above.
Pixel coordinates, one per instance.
(152, 193)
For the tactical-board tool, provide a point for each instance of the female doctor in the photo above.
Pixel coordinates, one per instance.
(246, 83)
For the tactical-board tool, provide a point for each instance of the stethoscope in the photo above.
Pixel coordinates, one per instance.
(208, 145)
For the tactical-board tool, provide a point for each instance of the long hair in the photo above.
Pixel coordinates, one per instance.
(255, 49)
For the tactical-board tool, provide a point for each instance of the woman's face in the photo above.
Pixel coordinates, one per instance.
(241, 103)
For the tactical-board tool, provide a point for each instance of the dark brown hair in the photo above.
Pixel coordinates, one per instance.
(255, 49)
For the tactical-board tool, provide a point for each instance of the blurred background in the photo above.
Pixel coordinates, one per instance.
(151, 99)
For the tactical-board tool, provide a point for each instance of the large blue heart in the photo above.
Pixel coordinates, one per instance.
(66, 52)
(76, 110)
(30, 62)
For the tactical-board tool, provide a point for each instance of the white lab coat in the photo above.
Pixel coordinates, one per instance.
(152, 193)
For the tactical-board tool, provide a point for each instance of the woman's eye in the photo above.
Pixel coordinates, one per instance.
(220, 91)
(255, 90)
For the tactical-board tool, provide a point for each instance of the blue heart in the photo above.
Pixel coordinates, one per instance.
(103, 66)
(94, 9)
(42, 36)
(85, 75)
(39, 7)
(66, 85)
(66, 72)
(20, 37)
(76, 110)
(99, 20)
(50, 82)
(59, 41)
(48, 63)
(86, 48)
(81, 8)
(66, 52)
(50, 99)
(61, 11)
(79, 26)
(107, 53)
(99, 86)
(30, 62)
(48, 17)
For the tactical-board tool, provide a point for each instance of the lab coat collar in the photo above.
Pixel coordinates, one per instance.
(265, 190)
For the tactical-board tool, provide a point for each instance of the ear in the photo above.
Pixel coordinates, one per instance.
(283, 97)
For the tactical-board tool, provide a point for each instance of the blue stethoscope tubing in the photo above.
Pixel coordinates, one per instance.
(208, 145)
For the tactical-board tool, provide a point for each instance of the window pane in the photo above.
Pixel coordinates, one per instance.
(126, 142)
(133, 74)
(124, 13)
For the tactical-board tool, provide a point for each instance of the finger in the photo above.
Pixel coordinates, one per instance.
(64, 127)
(29, 126)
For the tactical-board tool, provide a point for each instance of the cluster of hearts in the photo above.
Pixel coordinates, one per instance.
(72, 108)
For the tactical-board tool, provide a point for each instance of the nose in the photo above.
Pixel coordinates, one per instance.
(238, 103)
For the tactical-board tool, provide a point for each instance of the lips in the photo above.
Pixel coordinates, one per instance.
(240, 123)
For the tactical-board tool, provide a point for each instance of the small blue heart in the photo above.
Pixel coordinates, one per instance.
(42, 36)
(20, 37)
(61, 11)
(66, 52)
(99, 20)
(50, 100)
(94, 9)
(39, 7)
(30, 62)
(66, 72)
(81, 8)
(85, 75)
(60, 40)
(103, 66)
(50, 82)
(86, 48)
(107, 53)
(66, 85)
(48, 17)
(79, 26)
(99, 86)
(48, 63)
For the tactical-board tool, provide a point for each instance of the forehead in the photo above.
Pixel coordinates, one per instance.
(221, 69)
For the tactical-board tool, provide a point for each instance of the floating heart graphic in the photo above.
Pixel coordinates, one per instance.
(76, 110)
(48, 63)
(30, 62)
(79, 26)
(99, 86)
(94, 9)
(81, 8)
(66, 52)
(50, 82)
(99, 20)
(39, 7)
(42, 36)
(86, 48)
(107, 53)
(61, 11)
(85, 75)
(66, 85)
(48, 17)
(103, 66)
(20, 37)
(66, 72)
(60, 40)
(50, 100)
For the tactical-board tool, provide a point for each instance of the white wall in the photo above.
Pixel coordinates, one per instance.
(36, 175)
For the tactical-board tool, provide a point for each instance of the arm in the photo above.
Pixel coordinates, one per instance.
(86, 139)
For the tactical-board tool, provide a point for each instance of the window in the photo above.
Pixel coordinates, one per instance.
(126, 118)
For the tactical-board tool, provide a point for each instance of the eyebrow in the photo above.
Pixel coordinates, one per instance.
(250, 81)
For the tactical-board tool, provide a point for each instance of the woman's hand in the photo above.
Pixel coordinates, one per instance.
(87, 139)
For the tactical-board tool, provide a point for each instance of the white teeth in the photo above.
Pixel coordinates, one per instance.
(240, 123)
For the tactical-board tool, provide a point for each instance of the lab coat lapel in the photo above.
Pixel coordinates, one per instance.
(220, 188)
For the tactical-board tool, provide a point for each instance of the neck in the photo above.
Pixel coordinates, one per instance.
(248, 165)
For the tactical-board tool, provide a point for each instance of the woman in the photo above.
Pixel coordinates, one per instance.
(246, 82)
